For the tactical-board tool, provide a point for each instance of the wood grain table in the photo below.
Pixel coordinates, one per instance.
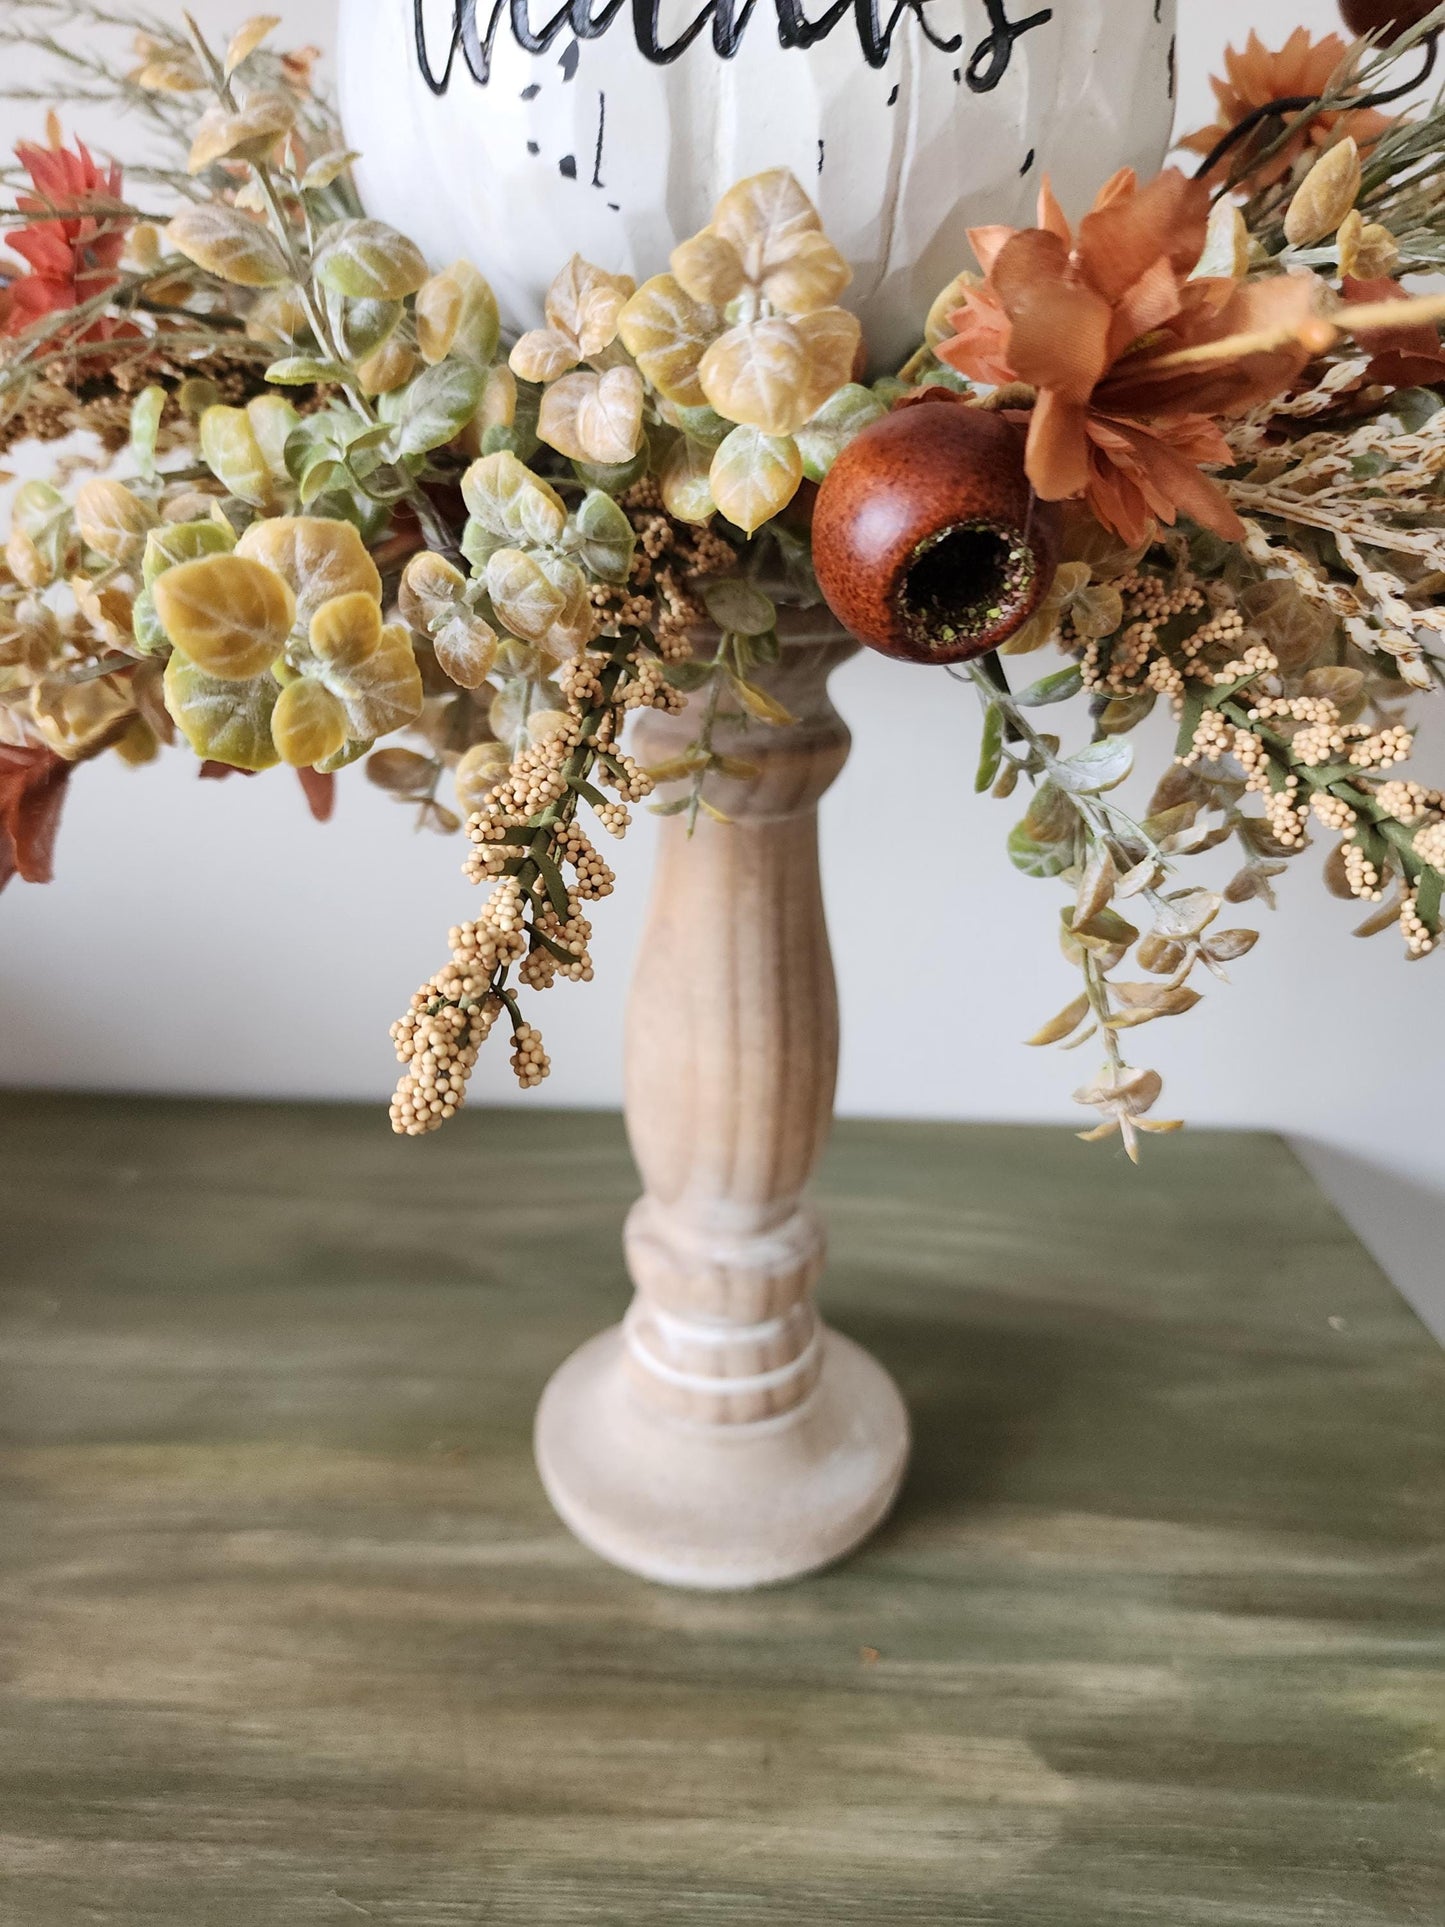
(288, 1635)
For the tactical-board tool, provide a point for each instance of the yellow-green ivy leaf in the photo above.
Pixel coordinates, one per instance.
(249, 133)
(365, 326)
(437, 406)
(605, 537)
(223, 721)
(328, 168)
(146, 414)
(432, 592)
(763, 216)
(684, 481)
(248, 37)
(542, 354)
(308, 724)
(831, 339)
(811, 274)
(112, 520)
(845, 414)
(390, 368)
(383, 691)
(584, 302)
(510, 501)
(594, 418)
(760, 704)
(367, 260)
(273, 421)
(757, 374)
(316, 557)
(456, 313)
(176, 542)
(466, 648)
(230, 450)
(572, 628)
(754, 476)
(709, 269)
(230, 615)
(527, 602)
(345, 630)
(229, 245)
(667, 334)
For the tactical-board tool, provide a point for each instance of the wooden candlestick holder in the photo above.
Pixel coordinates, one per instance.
(721, 1436)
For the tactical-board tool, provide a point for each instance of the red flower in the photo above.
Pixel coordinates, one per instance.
(32, 793)
(74, 240)
(1091, 322)
(1409, 357)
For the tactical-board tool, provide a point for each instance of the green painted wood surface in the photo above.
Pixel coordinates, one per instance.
(288, 1635)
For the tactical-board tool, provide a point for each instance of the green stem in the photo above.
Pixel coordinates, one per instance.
(704, 738)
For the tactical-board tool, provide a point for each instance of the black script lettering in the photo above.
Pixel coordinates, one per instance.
(730, 19)
(728, 32)
(991, 57)
(876, 40)
(588, 26)
(645, 26)
(476, 50)
(796, 30)
(539, 42)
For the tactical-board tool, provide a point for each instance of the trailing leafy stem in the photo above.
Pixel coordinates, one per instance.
(746, 622)
(1076, 831)
(348, 279)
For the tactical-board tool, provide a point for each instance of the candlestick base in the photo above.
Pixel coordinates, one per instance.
(721, 1507)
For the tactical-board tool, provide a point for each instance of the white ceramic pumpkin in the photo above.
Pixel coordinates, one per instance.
(519, 135)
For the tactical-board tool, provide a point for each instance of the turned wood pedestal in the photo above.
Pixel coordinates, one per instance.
(721, 1436)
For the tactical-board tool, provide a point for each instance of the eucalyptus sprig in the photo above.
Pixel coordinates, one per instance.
(1074, 830)
(333, 272)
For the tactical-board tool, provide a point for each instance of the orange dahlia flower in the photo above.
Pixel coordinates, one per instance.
(1091, 323)
(74, 240)
(1254, 76)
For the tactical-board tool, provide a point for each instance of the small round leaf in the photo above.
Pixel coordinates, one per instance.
(367, 260)
(308, 724)
(223, 721)
(230, 615)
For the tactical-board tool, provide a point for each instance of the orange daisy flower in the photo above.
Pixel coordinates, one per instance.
(1090, 323)
(1254, 76)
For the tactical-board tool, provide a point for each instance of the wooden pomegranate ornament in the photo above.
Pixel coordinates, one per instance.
(928, 542)
(1397, 16)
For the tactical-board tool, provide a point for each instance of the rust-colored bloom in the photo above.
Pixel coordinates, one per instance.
(74, 240)
(32, 792)
(1092, 324)
(1408, 357)
(298, 67)
(1254, 76)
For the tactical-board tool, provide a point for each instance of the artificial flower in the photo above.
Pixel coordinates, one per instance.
(1254, 76)
(1408, 357)
(1091, 323)
(73, 243)
(33, 781)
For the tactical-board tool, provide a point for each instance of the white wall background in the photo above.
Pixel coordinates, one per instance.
(208, 937)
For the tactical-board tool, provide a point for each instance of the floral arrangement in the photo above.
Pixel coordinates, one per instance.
(323, 515)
